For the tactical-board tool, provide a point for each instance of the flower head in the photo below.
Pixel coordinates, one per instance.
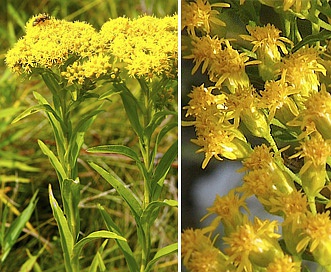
(302, 69)
(199, 253)
(209, 260)
(228, 210)
(264, 160)
(315, 151)
(317, 235)
(266, 41)
(260, 158)
(50, 43)
(318, 111)
(221, 61)
(243, 104)
(259, 183)
(253, 244)
(133, 43)
(284, 264)
(215, 135)
(199, 14)
(276, 96)
(287, 204)
(201, 98)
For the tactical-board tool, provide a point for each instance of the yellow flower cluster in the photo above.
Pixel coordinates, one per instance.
(147, 46)
(283, 99)
(214, 133)
(92, 68)
(50, 42)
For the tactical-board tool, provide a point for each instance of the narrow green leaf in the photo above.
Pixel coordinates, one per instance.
(321, 36)
(165, 130)
(160, 136)
(120, 187)
(116, 149)
(162, 253)
(54, 161)
(98, 261)
(123, 150)
(59, 128)
(12, 164)
(162, 169)
(31, 261)
(123, 245)
(3, 225)
(150, 213)
(156, 121)
(51, 82)
(71, 198)
(17, 226)
(94, 235)
(108, 94)
(9, 111)
(131, 108)
(47, 107)
(12, 178)
(67, 241)
(29, 111)
(78, 134)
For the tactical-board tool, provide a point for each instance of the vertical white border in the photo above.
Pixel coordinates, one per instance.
(179, 172)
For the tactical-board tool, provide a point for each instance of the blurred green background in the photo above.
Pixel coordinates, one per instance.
(24, 169)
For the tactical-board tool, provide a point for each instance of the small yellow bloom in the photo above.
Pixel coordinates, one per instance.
(244, 107)
(217, 136)
(317, 236)
(266, 41)
(284, 264)
(315, 151)
(199, 14)
(253, 244)
(288, 204)
(217, 141)
(263, 159)
(302, 69)
(228, 210)
(259, 183)
(277, 97)
(208, 260)
(194, 241)
(201, 99)
(223, 64)
(260, 158)
(318, 111)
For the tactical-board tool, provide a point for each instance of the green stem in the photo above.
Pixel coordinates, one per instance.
(311, 202)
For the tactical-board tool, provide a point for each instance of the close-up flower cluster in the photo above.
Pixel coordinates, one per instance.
(263, 100)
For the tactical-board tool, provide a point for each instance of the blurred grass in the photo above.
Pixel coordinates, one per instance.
(18, 142)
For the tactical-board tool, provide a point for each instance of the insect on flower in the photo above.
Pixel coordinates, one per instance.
(41, 19)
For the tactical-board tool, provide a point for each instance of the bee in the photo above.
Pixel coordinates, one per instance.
(41, 19)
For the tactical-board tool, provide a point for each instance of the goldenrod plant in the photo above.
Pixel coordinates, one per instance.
(74, 60)
(266, 102)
